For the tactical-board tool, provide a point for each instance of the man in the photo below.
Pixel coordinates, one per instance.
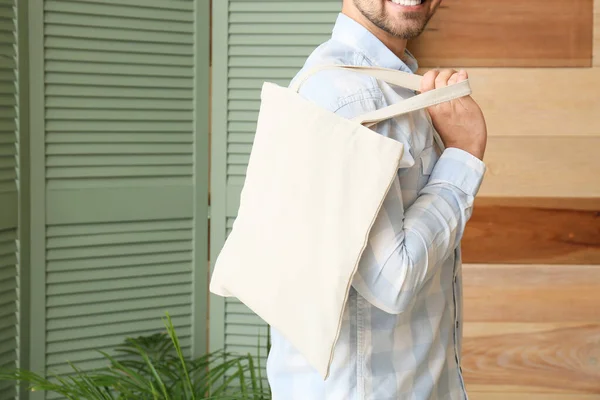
(401, 330)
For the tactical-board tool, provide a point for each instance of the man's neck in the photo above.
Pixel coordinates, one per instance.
(396, 45)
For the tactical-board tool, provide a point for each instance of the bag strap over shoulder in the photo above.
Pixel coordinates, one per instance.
(398, 78)
(395, 77)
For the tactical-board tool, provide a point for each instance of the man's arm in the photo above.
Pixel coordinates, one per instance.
(425, 235)
(427, 232)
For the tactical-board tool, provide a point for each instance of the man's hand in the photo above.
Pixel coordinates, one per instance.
(459, 122)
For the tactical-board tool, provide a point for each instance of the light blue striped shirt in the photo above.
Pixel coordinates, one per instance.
(401, 330)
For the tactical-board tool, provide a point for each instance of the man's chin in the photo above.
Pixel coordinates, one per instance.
(407, 29)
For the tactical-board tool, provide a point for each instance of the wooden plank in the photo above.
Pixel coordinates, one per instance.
(500, 395)
(531, 293)
(542, 167)
(531, 331)
(554, 361)
(538, 102)
(513, 234)
(596, 59)
(530, 33)
(564, 203)
(481, 329)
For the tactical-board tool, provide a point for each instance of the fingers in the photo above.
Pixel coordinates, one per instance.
(436, 79)
(453, 79)
(461, 76)
(443, 78)
(428, 82)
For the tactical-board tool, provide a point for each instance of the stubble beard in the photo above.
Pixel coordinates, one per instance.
(413, 23)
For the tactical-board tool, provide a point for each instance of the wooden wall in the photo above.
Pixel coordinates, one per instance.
(532, 248)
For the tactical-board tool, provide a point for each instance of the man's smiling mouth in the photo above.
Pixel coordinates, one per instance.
(408, 3)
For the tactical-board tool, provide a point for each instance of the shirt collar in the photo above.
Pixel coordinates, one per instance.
(350, 32)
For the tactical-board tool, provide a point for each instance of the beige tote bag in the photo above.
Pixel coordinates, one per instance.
(314, 186)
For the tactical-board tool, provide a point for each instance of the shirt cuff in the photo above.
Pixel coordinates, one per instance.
(459, 168)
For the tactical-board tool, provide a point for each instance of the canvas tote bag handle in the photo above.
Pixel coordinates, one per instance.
(398, 78)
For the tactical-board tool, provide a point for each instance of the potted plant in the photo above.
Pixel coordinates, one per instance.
(155, 368)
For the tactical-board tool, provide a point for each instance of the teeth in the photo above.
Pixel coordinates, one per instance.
(407, 2)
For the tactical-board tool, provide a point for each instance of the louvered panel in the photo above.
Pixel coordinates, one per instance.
(259, 14)
(229, 224)
(244, 94)
(115, 227)
(88, 360)
(268, 41)
(8, 307)
(100, 90)
(56, 92)
(119, 110)
(89, 79)
(246, 333)
(102, 32)
(120, 165)
(263, 73)
(124, 296)
(271, 28)
(9, 187)
(150, 10)
(89, 16)
(8, 125)
(239, 315)
(105, 281)
(295, 51)
(103, 342)
(254, 83)
(120, 69)
(304, 9)
(91, 358)
(83, 44)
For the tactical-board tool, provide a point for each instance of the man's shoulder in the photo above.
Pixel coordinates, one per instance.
(335, 89)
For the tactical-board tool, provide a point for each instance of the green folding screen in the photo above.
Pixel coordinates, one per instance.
(119, 176)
